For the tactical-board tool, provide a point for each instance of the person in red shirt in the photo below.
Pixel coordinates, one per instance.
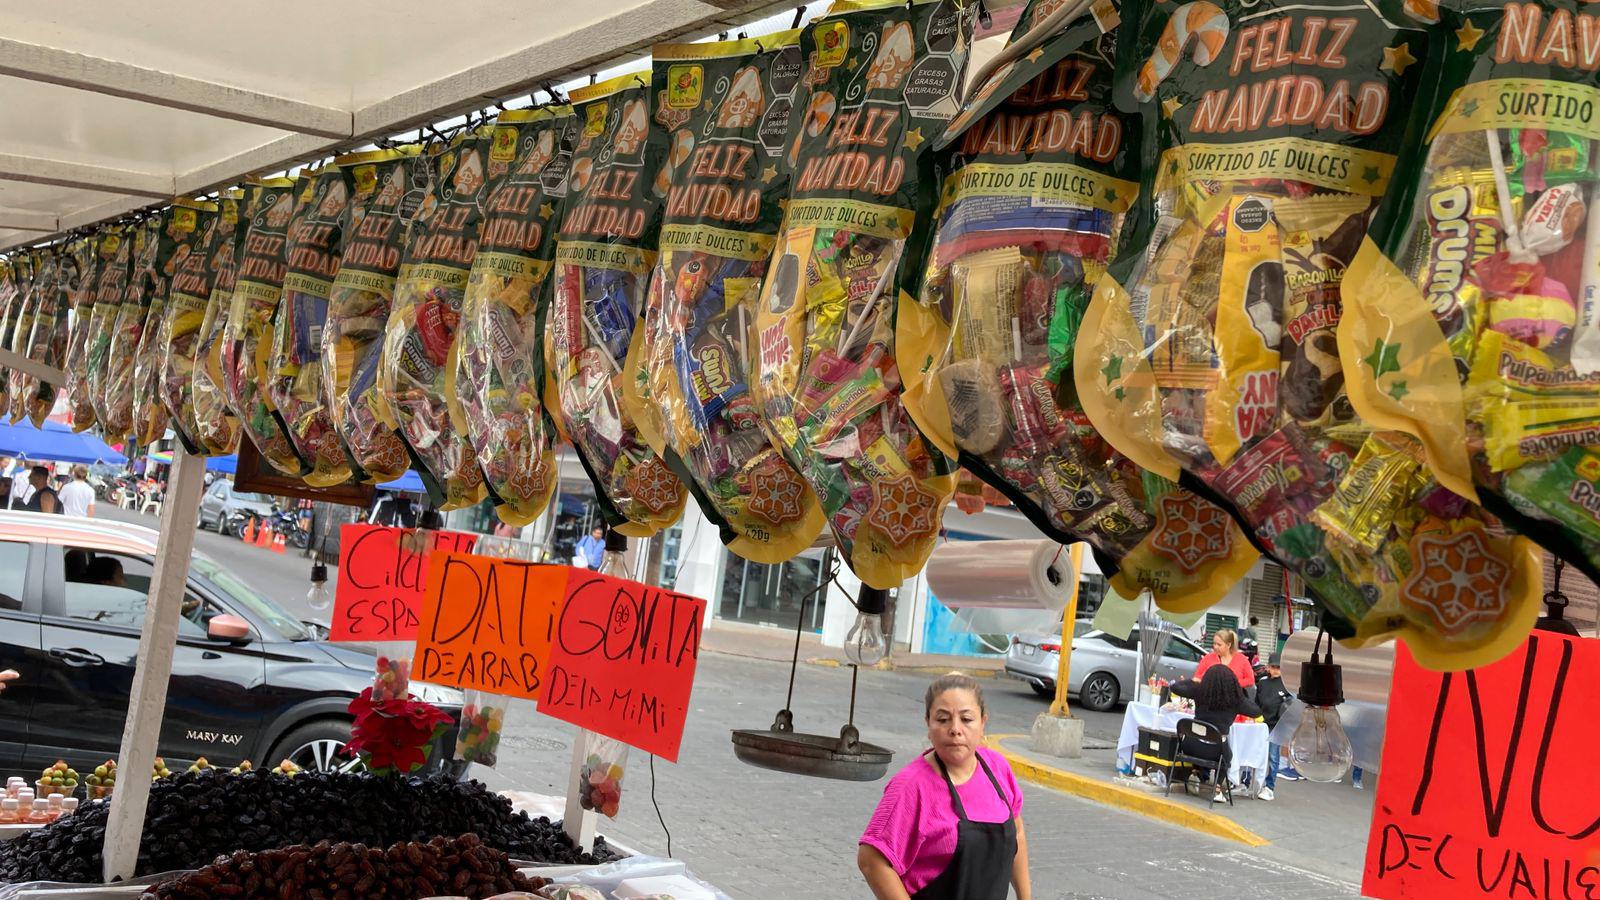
(1225, 652)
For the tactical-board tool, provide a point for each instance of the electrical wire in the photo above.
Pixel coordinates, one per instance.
(659, 818)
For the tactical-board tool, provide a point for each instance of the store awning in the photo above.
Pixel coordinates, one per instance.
(54, 443)
(111, 107)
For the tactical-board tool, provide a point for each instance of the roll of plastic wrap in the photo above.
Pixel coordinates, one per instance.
(1002, 574)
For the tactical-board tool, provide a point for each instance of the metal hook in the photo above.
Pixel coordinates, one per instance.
(759, 48)
(798, 15)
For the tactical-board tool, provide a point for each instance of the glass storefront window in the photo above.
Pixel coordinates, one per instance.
(771, 595)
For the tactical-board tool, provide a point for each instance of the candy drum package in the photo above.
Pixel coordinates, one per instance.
(216, 429)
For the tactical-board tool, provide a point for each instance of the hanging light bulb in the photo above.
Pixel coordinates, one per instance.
(1320, 750)
(865, 644)
(614, 560)
(319, 598)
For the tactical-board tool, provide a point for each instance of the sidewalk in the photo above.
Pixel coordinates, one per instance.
(1320, 827)
(777, 645)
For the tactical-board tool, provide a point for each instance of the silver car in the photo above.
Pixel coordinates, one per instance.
(221, 501)
(1104, 669)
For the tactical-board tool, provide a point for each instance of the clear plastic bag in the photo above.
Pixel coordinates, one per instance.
(104, 247)
(216, 427)
(599, 784)
(108, 305)
(483, 717)
(392, 680)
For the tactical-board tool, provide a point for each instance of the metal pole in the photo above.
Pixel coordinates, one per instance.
(180, 513)
(1059, 706)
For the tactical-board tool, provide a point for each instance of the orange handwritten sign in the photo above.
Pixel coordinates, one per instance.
(622, 661)
(382, 572)
(486, 623)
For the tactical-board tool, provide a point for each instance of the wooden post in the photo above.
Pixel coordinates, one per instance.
(1059, 706)
(180, 513)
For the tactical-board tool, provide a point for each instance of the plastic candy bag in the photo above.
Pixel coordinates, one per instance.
(257, 289)
(216, 428)
(117, 418)
(392, 680)
(599, 786)
(13, 278)
(294, 361)
(422, 324)
(104, 246)
(114, 282)
(188, 299)
(828, 384)
(497, 396)
(47, 341)
(606, 253)
(358, 310)
(186, 224)
(483, 717)
(1209, 347)
(727, 106)
(40, 285)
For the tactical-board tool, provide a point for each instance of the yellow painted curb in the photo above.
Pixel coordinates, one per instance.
(1115, 795)
(888, 666)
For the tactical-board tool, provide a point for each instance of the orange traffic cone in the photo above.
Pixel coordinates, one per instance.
(249, 536)
(264, 536)
(278, 544)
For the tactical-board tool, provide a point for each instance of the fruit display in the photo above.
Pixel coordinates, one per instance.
(600, 785)
(58, 779)
(159, 769)
(287, 767)
(478, 741)
(460, 867)
(241, 768)
(199, 765)
(102, 780)
(194, 817)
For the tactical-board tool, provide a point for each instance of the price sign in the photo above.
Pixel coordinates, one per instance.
(382, 573)
(486, 623)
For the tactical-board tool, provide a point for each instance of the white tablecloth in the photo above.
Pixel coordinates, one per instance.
(1249, 740)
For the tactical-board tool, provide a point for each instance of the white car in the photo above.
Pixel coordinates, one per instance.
(1104, 669)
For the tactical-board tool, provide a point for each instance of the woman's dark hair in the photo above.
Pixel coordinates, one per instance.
(1220, 689)
(955, 681)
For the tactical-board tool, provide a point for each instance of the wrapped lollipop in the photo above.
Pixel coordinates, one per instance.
(987, 347)
(216, 429)
(247, 335)
(113, 284)
(105, 245)
(358, 309)
(422, 325)
(606, 252)
(177, 337)
(498, 366)
(1208, 348)
(294, 365)
(117, 418)
(828, 385)
(725, 104)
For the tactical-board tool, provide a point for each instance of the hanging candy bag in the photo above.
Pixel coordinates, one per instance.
(422, 325)
(294, 365)
(726, 106)
(216, 429)
(178, 336)
(103, 255)
(882, 81)
(47, 341)
(41, 290)
(607, 249)
(114, 283)
(187, 224)
(497, 367)
(117, 419)
(358, 310)
(257, 289)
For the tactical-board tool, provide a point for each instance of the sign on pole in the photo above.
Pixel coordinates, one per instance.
(382, 574)
(486, 623)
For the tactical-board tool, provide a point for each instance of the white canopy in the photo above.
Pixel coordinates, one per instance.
(110, 107)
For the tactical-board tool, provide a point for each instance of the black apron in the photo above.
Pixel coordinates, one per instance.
(980, 869)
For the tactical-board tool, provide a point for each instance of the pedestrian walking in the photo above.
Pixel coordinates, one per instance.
(77, 498)
(592, 549)
(44, 497)
(21, 487)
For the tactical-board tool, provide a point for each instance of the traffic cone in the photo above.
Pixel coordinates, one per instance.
(264, 536)
(278, 544)
(249, 536)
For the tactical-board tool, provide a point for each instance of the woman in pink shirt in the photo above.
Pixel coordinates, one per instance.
(1225, 652)
(949, 826)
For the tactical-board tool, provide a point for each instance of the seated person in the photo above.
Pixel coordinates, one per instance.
(106, 570)
(1218, 700)
(75, 564)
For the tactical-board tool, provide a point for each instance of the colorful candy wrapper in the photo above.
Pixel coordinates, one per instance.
(12, 280)
(16, 298)
(604, 259)
(117, 419)
(41, 288)
(178, 336)
(1209, 349)
(497, 368)
(727, 108)
(358, 311)
(216, 429)
(427, 310)
(827, 382)
(47, 341)
(114, 283)
(187, 224)
(247, 335)
(105, 244)
(294, 363)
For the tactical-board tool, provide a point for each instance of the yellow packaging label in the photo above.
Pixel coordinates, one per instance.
(685, 83)
(1244, 406)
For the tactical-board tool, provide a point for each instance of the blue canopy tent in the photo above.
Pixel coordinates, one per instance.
(54, 443)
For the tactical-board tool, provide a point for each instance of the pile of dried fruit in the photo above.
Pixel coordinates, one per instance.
(460, 867)
(195, 817)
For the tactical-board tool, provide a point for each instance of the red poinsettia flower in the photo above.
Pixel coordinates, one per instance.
(394, 734)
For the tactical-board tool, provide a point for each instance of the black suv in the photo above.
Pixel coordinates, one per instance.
(72, 601)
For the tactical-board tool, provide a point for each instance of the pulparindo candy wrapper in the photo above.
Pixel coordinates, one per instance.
(113, 284)
(358, 311)
(727, 107)
(1477, 323)
(216, 429)
(497, 397)
(604, 258)
(117, 420)
(106, 244)
(422, 324)
(828, 385)
(1037, 172)
(294, 364)
(178, 336)
(1210, 347)
(247, 335)
(47, 342)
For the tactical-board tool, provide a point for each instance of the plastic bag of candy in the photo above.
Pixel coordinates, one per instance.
(483, 716)
(114, 283)
(117, 418)
(13, 278)
(498, 365)
(247, 335)
(427, 310)
(605, 762)
(186, 224)
(178, 337)
(606, 253)
(47, 341)
(294, 361)
(40, 285)
(358, 309)
(104, 245)
(392, 680)
(828, 385)
(216, 429)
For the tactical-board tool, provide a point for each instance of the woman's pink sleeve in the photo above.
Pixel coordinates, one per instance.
(1008, 780)
(894, 827)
